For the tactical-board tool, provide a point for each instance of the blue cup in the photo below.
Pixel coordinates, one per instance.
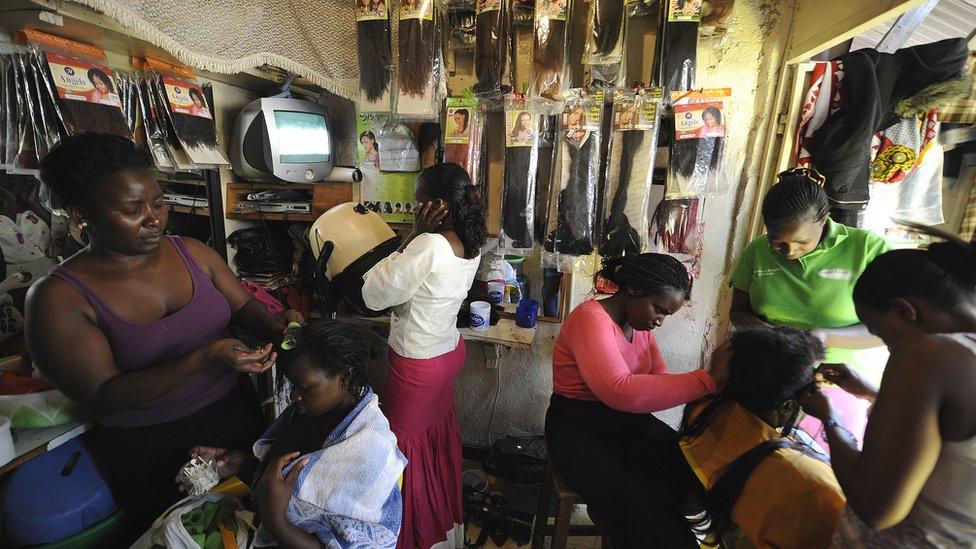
(526, 313)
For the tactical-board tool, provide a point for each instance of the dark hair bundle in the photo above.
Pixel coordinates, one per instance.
(945, 274)
(418, 48)
(647, 274)
(517, 193)
(608, 20)
(25, 154)
(9, 110)
(577, 21)
(450, 183)
(375, 57)
(797, 195)
(194, 131)
(82, 116)
(491, 48)
(577, 199)
(677, 53)
(51, 123)
(548, 57)
(337, 349)
(695, 165)
(619, 235)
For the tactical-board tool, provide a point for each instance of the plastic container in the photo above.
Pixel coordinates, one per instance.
(54, 496)
(496, 292)
(517, 262)
(527, 313)
(38, 410)
(7, 453)
(480, 315)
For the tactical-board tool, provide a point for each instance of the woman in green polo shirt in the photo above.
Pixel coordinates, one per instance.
(802, 274)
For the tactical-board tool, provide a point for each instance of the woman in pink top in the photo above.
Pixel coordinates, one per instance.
(608, 376)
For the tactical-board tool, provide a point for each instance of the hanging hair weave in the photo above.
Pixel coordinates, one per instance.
(798, 195)
(647, 274)
(491, 48)
(417, 46)
(375, 65)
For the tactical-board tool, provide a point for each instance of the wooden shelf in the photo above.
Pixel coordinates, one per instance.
(258, 216)
(324, 196)
(168, 182)
(505, 333)
(203, 212)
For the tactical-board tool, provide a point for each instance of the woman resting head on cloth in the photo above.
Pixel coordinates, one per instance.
(329, 466)
(778, 492)
(801, 273)
(134, 327)
(914, 483)
(608, 375)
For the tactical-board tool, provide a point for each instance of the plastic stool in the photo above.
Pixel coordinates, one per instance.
(54, 496)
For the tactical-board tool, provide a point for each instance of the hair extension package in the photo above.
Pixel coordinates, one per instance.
(188, 112)
(87, 97)
(397, 147)
(463, 134)
(375, 55)
(549, 49)
(605, 44)
(696, 167)
(579, 169)
(25, 158)
(677, 54)
(521, 161)
(633, 148)
(154, 125)
(677, 228)
(419, 59)
(491, 46)
(12, 112)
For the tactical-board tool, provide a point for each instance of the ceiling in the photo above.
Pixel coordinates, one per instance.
(949, 19)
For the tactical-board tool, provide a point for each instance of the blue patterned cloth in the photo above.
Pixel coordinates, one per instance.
(348, 495)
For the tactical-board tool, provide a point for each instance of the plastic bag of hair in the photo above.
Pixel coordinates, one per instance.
(87, 96)
(521, 161)
(577, 23)
(606, 29)
(675, 226)
(463, 24)
(633, 148)
(419, 59)
(375, 50)
(579, 143)
(153, 125)
(48, 92)
(185, 106)
(677, 55)
(25, 159)
(463, 135)
(397, 147)
(12, 111)
(491, 46)
(696, 166)
(549, 48)
(545, 199)
(128, 93)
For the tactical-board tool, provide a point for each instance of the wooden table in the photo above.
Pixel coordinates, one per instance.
(30, 443)
(505, 333)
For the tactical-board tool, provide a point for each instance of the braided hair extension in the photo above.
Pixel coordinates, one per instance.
(491, 47)
(577, 200)
(417, 46)
(450, 182)
(945, 273)
(336, 348)
(647, 274)
(375, 57)
(797, 196)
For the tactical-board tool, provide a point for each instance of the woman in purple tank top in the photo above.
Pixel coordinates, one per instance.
(135, 326)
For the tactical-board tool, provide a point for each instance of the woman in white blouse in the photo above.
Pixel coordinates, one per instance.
(425, 282)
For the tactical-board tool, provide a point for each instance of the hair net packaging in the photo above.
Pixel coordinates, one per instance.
(375, 53)
(521, 161)
(696, 167)
(633, 148)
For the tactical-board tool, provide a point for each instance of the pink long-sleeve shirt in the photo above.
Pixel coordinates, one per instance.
(593, 360)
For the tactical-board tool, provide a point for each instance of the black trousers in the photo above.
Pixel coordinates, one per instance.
(143, 461)
(630, 471)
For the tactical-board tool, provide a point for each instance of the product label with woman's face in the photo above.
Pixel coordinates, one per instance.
(186, 97)
(370, 10)
(80, 80)
(520, 128)
(458, 125)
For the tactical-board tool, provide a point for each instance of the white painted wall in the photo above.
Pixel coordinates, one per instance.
(513, 399)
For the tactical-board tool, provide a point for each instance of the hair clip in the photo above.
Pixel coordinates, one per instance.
(809, 174)
(292, 334)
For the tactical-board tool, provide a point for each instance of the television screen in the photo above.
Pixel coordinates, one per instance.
(303, 138)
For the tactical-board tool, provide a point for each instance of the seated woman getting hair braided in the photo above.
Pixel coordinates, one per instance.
(914, 483)
(801, 273)
(329, 467)
(774, 489)
(608, 377)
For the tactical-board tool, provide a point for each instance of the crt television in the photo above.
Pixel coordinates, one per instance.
(279, 139)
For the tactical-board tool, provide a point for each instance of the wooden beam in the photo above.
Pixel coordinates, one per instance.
(906, 25)
(815, 31)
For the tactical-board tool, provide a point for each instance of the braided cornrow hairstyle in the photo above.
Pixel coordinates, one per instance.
(647, 274)
(797, 196)
(336, 348)
(451, 183)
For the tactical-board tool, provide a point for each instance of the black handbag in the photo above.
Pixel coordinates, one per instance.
(518, 459)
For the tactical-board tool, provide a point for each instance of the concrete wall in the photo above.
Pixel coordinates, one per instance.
(512, 398)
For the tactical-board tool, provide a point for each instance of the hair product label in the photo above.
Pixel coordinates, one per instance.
(186, 97)
(80, 80)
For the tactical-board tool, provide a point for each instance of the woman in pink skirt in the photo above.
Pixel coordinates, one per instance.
(425, 282)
